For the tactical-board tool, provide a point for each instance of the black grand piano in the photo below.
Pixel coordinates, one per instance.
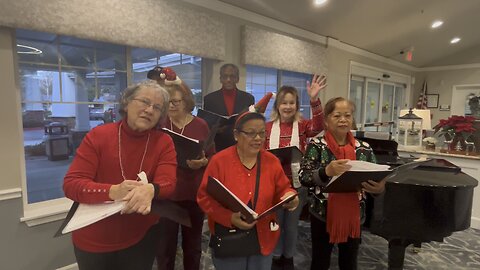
(423, 202)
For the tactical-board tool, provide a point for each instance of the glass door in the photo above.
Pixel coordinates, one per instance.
(372, 104)
(386, 111)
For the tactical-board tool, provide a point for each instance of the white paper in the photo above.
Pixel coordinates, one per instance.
(362, 166)
(88, 213)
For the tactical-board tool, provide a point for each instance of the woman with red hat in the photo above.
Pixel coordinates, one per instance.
(287, 128)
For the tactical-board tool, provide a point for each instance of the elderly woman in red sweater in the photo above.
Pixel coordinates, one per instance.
(105, 169)
(181, 120)
(288, 128)
(239, 168)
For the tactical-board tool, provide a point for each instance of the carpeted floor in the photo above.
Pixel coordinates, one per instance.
(459, 251)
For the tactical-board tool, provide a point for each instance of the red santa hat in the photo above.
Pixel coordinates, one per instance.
(262, 104)
(167, 75)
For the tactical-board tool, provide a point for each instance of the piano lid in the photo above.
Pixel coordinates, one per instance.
(431, 173)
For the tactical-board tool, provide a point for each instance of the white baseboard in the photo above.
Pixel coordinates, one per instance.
(7, 194)
(475, 223)
(73, 266)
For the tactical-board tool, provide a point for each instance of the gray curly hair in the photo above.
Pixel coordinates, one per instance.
(130, 92)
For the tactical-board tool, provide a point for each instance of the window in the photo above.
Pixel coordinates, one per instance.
(261, 80)
(187, 67)
(67, 85)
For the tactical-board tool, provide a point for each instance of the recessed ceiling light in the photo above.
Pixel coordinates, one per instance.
(455, 40)
(319, 2)
(437, 24)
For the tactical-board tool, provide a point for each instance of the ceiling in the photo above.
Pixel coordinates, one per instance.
(386, 27)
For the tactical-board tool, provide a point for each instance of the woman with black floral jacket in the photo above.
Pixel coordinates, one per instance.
(337, 222)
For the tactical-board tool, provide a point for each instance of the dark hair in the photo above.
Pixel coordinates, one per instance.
(330, 106)
(225, 66)
(247, 116)
(284, 90)
(186, 93)
(130, 92)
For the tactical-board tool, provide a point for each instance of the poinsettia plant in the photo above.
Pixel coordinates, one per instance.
(456, 124)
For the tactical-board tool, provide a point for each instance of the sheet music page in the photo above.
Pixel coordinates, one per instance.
(362, 166)
(87, 214)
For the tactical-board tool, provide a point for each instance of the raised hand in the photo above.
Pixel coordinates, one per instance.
(319, 82)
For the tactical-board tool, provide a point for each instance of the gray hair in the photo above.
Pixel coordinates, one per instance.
(130, 92)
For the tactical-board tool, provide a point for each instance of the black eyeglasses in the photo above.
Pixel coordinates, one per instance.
(253, 134)
(145, 103)
(175, 102)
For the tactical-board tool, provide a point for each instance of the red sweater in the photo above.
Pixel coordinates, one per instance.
(188, 180)
(96, 167)
(227, 167)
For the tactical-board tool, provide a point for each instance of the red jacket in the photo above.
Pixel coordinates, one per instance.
(227, 167)
(96, 167)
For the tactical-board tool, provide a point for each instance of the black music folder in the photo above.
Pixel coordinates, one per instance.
(214, 119)
(229, 200)
(186, 147)
(361, 171)
(287, 155)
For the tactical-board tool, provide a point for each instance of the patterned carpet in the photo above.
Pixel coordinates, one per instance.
(459, 251)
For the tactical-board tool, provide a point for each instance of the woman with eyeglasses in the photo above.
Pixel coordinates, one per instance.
(288, 128)
(181, 120)
(105, 169)
(325, 157)
(240, 167)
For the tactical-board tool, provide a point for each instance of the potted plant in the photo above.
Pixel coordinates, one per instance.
(456, 129)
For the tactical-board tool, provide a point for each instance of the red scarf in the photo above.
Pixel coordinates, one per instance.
(343, 214)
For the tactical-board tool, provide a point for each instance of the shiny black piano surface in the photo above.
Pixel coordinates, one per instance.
(423, 201)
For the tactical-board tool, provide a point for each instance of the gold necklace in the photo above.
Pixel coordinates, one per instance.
(120, 151)
(184, 124)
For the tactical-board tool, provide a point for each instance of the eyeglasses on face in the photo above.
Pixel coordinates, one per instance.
(175, 102)
(145, 103)
(253, 134)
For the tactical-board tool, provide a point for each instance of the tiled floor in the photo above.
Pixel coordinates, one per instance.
(459, 251)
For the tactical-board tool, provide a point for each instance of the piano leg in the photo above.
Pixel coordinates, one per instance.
(396, 253)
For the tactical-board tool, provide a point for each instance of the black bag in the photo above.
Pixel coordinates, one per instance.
(234, 242)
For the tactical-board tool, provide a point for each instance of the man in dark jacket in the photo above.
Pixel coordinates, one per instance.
(227, 101)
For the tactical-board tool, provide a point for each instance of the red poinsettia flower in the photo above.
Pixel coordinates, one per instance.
(456, 124)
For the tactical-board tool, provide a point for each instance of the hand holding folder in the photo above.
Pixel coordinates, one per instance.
(186, 147)
(226, 198)
(82, 214)
(360, 171)
(214, 119)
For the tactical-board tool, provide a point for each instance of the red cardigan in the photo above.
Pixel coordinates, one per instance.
(96, 167)
(227, 167)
